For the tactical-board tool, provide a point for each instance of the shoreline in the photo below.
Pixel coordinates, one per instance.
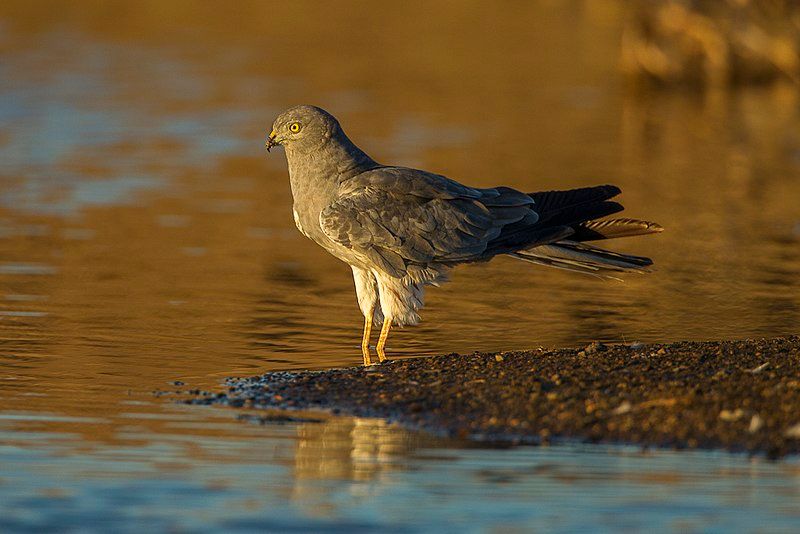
(739, 396)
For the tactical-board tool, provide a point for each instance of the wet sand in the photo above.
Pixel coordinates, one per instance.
(734, 395)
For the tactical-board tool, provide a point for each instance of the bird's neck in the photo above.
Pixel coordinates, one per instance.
(331, 163)
(315, 175)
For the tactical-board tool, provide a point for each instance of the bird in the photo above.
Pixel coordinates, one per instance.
(402, 229)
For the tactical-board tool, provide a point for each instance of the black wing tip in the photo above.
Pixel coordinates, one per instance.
(611, 206)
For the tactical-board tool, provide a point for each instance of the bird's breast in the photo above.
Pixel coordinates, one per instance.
(299, 224)
(313, 190)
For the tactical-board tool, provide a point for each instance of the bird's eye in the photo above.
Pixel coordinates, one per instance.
(294, 127)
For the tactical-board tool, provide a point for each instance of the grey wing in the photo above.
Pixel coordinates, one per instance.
(427, 185)
(403, 220)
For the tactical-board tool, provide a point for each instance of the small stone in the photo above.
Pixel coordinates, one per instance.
(793, 431)
(623, 408)
(731, 415)
(498, 358)
(756, 423)
(594, 347)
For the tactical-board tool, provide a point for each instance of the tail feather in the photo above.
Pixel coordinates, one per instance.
(562, 264)
(575, 205)
(583, 258)
(566, 219)
(548, 203)
(614, 228)
(576, 215)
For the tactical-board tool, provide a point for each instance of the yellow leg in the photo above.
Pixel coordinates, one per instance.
(365, 339)
(387, 324)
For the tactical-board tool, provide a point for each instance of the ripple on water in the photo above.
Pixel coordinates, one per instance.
(23, 313)
(27, 269)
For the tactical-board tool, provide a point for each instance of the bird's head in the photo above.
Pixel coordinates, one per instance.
(303, 128)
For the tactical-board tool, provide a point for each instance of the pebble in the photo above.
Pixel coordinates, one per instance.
(793, 431)
(594, 347)
(756, 423)
(623, 408)
(731, 415)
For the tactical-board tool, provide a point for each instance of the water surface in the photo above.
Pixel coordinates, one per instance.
(147, 238)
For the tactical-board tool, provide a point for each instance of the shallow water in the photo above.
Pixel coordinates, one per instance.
(202, 472)
(146, 238)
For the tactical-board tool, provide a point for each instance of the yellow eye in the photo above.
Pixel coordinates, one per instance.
(294, 127)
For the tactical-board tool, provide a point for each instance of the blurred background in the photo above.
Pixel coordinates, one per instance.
(148, 238)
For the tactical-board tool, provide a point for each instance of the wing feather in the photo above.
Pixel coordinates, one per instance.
(399, 217)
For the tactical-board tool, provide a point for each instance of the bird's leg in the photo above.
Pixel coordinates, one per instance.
(365, 337)
(387, 324)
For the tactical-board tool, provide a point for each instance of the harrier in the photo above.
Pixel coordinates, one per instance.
(402, 229)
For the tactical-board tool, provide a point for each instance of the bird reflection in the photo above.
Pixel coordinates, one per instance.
(359, 450)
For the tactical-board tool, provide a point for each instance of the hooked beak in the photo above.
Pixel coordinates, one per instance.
(271, 140)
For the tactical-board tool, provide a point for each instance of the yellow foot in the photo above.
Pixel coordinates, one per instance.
(387, 324)
(365, 338)
(365, 353)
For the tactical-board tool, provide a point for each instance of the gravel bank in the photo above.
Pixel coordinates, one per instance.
(733, 395)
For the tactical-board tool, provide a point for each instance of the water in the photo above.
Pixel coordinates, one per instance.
(147, 238)
(202, 472)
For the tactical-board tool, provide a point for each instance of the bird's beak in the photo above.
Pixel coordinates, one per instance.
(271, 141)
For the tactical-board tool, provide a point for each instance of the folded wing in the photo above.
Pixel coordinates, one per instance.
(406, 221)
(400, 218)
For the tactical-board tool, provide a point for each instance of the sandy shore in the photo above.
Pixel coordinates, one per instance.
(733, 395)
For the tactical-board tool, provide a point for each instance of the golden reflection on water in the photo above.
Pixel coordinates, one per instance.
(147, 238)
(363, 451)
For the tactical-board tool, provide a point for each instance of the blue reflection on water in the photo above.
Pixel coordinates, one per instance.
(319, 477)
(52, 119)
